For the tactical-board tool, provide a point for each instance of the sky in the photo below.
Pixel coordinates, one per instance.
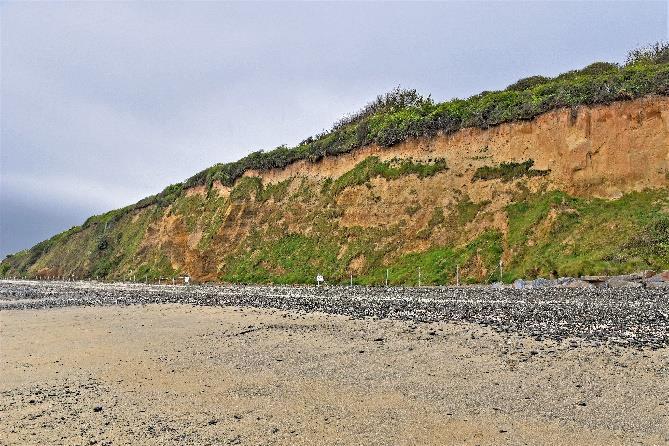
(104, 103)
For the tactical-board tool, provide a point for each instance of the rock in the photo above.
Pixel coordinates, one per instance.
(594, 279)
(97, 409)
(647, 274)
(625, 277)
(577, 283)
(661, 277)
(541, 283)
(518, 284)
(617, 282)
(582, 403)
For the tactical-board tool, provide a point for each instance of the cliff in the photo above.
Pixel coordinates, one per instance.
(577, 190)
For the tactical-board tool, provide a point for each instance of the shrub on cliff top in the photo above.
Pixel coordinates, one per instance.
(528, 82)
(657, 53)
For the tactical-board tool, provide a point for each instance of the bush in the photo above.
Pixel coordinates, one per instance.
(657, 53)
(598, 68)
(528, 82)
(395, 100)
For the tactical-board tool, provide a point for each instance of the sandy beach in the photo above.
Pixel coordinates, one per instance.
(178, 374)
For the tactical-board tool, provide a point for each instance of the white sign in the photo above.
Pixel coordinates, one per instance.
(319, 279)
(186, 280)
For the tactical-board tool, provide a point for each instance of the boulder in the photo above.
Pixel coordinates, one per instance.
(578, 283)
(594, 279)
(519, 284)
(647, 274)
(636, 276)
(661, 277)
(542, 283)
(561, 281)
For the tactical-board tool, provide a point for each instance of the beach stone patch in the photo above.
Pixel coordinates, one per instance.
(625, 313)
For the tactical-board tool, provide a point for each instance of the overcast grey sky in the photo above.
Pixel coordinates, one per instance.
(104, 103)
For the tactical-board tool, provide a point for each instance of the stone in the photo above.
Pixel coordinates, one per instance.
(617, 282)
(588, 315)
(577, 283)
(661, 277)
(647, 274)
(594, 279)
(541, 283)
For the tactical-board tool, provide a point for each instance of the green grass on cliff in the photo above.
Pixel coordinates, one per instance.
(508, 171)
(438, 265)
(371, 167)
(549, 233)
(106, 248)
(554, 233)
(291, 259)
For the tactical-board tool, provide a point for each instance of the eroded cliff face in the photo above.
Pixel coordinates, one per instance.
(601, 151)
(600, 190)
